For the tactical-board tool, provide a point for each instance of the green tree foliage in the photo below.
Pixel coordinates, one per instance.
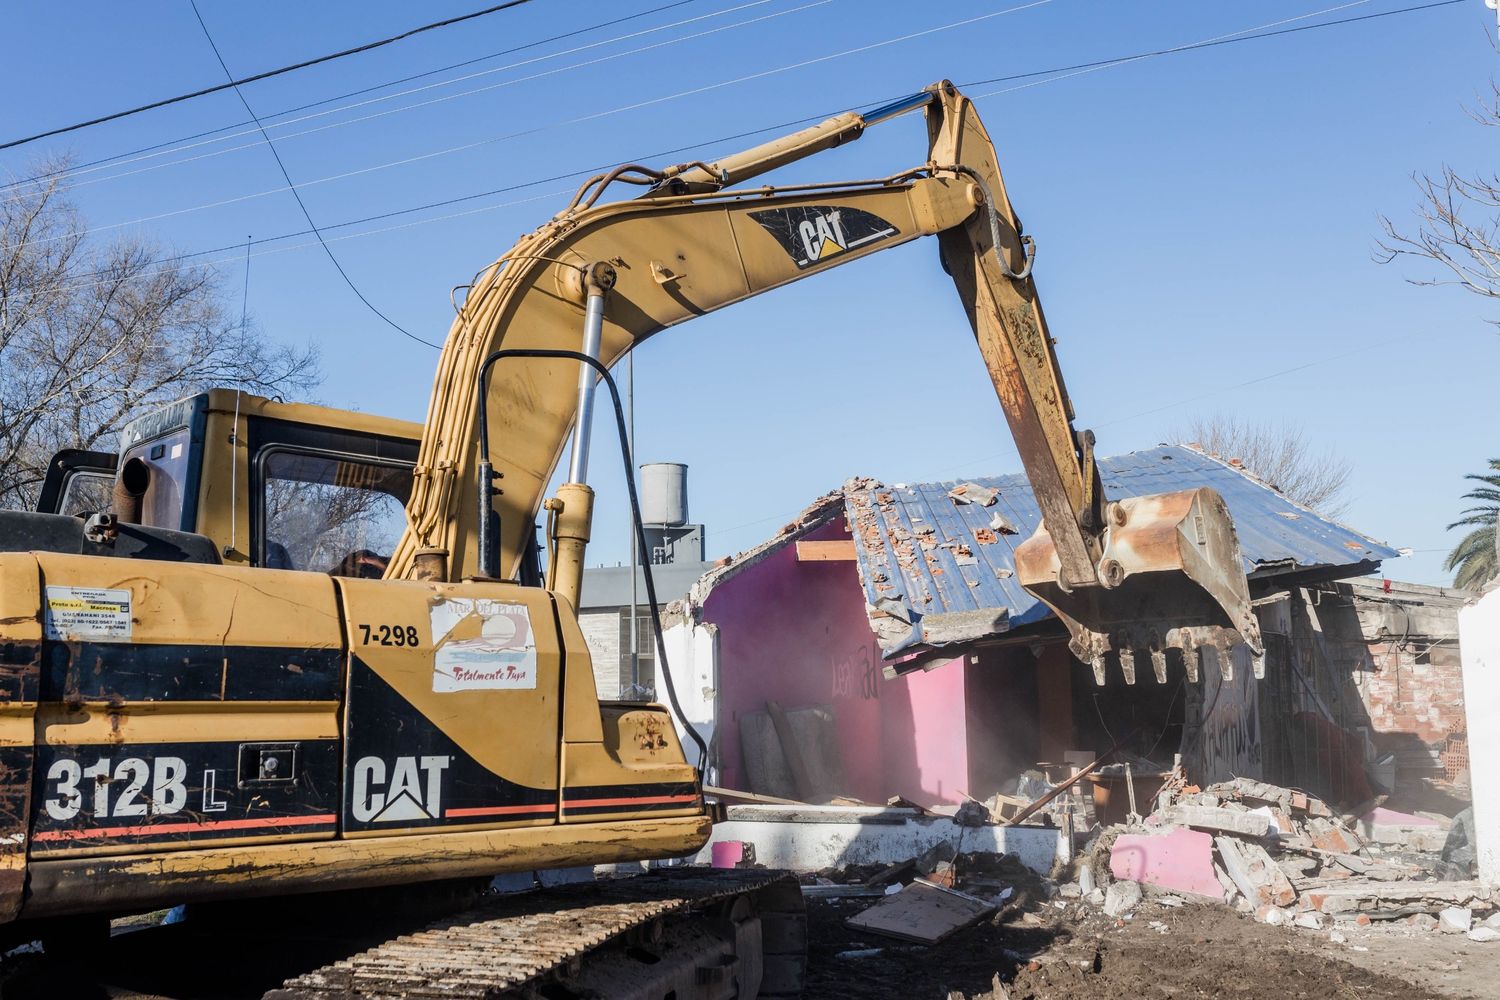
(1474, 559)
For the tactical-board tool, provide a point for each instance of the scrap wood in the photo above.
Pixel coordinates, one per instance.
(791, 751)
(891, 873)
(732, 793)
(922, 912)
(1082, 772)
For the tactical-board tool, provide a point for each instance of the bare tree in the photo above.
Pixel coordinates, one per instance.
(1457, 222)
(92, 332)
(1276, 454)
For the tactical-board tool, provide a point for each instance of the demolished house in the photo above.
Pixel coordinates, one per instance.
(880, 646)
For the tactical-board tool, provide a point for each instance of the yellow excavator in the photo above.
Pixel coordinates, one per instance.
(299, 649)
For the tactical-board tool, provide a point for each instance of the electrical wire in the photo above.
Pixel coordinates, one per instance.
(47, 177)
(802, 121)
(1238, 36)
(268, 74)
(298, 196)
(504, 137)
(117, 157)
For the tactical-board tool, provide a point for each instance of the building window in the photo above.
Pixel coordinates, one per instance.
(645, 641)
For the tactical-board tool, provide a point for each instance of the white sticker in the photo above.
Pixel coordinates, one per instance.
(86, 613)
(481, 645)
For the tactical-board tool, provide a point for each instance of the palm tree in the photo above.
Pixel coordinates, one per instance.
(1475, 557)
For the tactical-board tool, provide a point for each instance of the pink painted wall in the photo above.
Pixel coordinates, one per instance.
(925, 735)
(796, 633)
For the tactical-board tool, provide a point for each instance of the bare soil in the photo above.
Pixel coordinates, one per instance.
(1041, 951)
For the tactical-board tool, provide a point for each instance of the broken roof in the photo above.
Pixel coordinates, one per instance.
(937, 560)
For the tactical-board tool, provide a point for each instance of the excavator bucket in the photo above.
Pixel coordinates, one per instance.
(1170, 576)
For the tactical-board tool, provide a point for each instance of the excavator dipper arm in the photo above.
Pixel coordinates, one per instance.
(602, 277)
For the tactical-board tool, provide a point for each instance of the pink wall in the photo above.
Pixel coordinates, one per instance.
(925, 733)
(796, 633)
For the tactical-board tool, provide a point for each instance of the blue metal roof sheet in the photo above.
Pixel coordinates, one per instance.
(937, 572)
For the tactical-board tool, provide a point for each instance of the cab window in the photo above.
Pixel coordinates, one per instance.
(330, 513)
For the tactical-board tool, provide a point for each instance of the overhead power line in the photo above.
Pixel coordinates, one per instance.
(1247, 34)
(298, 195)
(71, 174)
(196, 139)
(235, 84)
(558, 123)
(1211, 42)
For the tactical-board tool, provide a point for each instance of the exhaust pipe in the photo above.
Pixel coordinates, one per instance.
(130, 489)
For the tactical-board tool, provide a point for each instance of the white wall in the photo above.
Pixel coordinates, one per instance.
(1479, 646)
(692, 657)
(601, 630)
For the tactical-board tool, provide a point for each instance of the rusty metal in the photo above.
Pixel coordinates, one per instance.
(1170, 576)
(514, 946)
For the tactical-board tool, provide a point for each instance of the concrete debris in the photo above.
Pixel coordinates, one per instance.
(1253, 872)
(1002, 524)
(1455, 920)
(1121, 898)
(1310, 920)
(1286, 858)
(1218, 820)
(973, 493)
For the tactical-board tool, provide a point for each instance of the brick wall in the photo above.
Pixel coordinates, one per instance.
(1415, 688)
(1409, 680)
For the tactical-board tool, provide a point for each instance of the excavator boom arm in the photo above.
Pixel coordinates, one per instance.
(604, 277)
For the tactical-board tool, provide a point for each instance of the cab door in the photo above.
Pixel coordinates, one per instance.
(454, 701)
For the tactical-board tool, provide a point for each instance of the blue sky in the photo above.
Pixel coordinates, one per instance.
(1204, 219)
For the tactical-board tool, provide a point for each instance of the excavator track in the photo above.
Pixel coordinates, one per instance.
(551, 944)
(690, 933)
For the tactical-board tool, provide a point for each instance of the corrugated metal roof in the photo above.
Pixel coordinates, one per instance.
(937, 572)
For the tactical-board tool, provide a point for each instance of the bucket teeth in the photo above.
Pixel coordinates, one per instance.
(1098, 648)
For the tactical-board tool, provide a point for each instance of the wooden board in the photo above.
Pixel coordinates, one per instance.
(841, 550)
(922, 912)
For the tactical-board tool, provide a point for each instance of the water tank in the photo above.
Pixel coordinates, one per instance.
(664, 493)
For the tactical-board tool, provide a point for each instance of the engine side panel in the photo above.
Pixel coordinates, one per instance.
(183, 704)
(454, 706)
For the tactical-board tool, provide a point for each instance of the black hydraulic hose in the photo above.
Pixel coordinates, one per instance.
(490, 534)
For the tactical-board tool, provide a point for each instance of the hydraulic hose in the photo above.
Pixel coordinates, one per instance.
(491, 558)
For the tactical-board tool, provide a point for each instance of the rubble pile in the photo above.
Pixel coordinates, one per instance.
(1288, 859)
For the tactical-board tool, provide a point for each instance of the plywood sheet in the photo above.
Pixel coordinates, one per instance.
(922, 912)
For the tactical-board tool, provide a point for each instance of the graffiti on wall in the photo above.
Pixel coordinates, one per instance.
(1229, 738)
(856, 674)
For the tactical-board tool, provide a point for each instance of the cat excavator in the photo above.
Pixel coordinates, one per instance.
(298, 649)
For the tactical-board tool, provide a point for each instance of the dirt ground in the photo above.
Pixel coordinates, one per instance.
(1044, 952)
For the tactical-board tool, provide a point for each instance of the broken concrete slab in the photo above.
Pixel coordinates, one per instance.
(1386, 826)
(1254, 873)
(812, 838)
(1219, 820)
(1181, 860)
(1396, 898)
